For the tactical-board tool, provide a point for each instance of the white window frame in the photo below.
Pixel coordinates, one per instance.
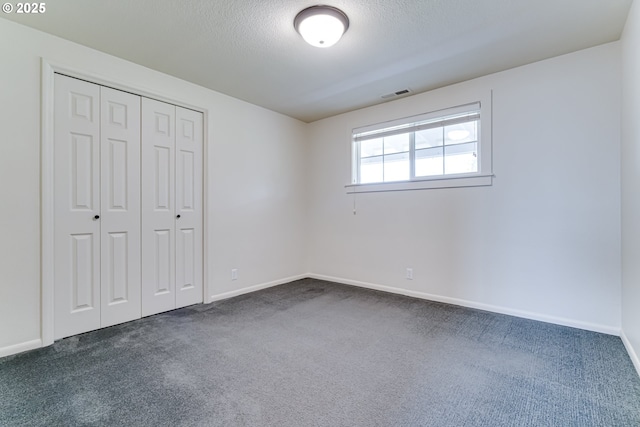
(482, 177)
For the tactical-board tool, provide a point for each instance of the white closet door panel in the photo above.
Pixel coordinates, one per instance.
(158, 207)
(189, 207)
(120, 200)
(77, 202)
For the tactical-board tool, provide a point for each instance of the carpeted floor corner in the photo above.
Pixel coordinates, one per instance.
(315, 353)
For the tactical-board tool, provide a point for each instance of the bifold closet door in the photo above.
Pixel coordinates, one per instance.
(97, 206)
(158, 206)
(188, 207)
(171, 207)
(76, 206)
(120, 275)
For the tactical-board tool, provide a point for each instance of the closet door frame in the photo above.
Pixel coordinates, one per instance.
(47, 195)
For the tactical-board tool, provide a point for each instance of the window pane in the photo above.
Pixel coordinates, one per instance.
(461, 133)
(371, 147)
(371, 169)
(429, 138)
(461, 158)
(433, 145)
(396, 167)
(396, 143)
(429, 161)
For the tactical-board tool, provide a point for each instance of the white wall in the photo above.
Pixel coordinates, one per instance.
(631, 184)
(255, 161)
(542, 242)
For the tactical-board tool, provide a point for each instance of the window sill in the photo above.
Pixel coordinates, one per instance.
(424, 184)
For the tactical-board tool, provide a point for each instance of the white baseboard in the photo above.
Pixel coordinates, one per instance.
(19, 348)
(254, 288)
(632, 353)
(610, 330)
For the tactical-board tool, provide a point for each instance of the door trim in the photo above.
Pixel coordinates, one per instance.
(49, 68)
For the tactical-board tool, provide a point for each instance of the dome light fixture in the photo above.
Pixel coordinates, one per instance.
(321, 26)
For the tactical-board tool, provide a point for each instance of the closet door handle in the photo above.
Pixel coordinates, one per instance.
(178, 216)
(96, 217)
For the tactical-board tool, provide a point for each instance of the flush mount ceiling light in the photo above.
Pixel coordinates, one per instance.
(321, 26)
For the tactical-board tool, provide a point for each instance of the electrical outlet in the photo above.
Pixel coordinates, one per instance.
(234, 274)
(409, 274)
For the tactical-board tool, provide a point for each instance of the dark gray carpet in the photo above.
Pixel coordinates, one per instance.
(313, 353)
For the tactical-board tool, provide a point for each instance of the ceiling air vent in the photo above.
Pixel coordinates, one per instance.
(397, 93)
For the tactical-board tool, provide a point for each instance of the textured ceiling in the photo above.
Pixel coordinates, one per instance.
(249, 49)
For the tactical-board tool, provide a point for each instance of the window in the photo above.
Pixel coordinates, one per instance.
(442, 145)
